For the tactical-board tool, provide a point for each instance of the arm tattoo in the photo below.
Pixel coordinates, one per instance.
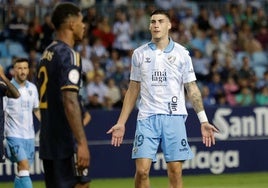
(194, 95)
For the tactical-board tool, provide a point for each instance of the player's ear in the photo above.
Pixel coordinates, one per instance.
(71, 25)
(169, 25)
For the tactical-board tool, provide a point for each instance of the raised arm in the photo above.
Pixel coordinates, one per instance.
(12, 91)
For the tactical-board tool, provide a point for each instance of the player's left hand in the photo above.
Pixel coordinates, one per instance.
(207, 131)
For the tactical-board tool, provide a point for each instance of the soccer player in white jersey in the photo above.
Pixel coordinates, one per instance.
(19, 124)
(161, 69)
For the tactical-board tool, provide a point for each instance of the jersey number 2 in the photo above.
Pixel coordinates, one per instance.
(43, 88)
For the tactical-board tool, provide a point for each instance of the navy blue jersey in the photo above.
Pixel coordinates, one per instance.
(3, 90)
(59, 69)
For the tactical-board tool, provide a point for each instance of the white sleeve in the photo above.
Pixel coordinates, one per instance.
(188, 74)
(135, 73)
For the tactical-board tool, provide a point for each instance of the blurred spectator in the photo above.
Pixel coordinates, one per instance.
(84, 46)
(248, 15)
(233, 16)
(208, 100)
(246, 71)
(33, 61)
(202, 21)
(108, 104)
(91, 19)
(214, 43)
(119, 75)
(123, 32)
(188, 19)
(97, 86)
(85, 4)
(99, 51)
(94, 102)
(167, 4)
(231, 88)
(221, 100)
(139, 21)
(104, 32)
(119, 103)
(126, 60)
(201, 65)
(182, 36)
(260, 20)
(18, 25)
(263, 81)
(217, 20)
(262, 37)
(262, 96)
(228, 68)
(87, 65)
(113, 91)
(215, 65)
(97, 69)
(199, 39)
(251, 45)
(215, 85)
(32, 39)
(245, 97)
(47, 32)
(174, 19)
(228, 36)
(111, 62)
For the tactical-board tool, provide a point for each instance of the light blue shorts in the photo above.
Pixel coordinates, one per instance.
(19, 149)
(167, 130)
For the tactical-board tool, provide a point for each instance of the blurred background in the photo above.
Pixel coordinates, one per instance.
(228, 43)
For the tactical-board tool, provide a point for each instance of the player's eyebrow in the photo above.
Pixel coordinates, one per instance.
(159, 20)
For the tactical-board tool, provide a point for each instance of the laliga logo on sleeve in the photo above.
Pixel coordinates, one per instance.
(74, 76)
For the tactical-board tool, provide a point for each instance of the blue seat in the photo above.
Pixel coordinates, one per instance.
(259, 58)
(16, 49)
(3, 50)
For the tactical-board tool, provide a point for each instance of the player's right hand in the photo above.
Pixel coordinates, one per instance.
(118, 132)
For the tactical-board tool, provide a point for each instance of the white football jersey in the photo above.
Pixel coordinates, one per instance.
(19, 112)
(162, 75)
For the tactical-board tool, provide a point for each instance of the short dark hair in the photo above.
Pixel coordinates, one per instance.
(160, 11)
(20, 60)
(62, 11)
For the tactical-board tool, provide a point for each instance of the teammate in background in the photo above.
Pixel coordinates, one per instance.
(9, 90)
(161, 69)
(19, 124)
(62, 134)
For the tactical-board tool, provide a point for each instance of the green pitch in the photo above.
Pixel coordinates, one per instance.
(241, 180)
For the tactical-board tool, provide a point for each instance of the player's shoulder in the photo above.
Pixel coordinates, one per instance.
(142, 48)
(30, 85)
(60, 51)
(180, 47)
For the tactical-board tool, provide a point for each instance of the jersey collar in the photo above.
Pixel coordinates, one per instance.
(167, 49)
(13, 81)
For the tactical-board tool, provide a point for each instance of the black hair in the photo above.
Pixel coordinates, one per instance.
(160, 11)
(62, 11)
(20, 60)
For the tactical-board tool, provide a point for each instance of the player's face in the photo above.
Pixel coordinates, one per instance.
(79, 28)
(21, 71)
(159, 26)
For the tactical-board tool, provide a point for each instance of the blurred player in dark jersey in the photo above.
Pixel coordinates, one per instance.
(59, 75)
(9, 90)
